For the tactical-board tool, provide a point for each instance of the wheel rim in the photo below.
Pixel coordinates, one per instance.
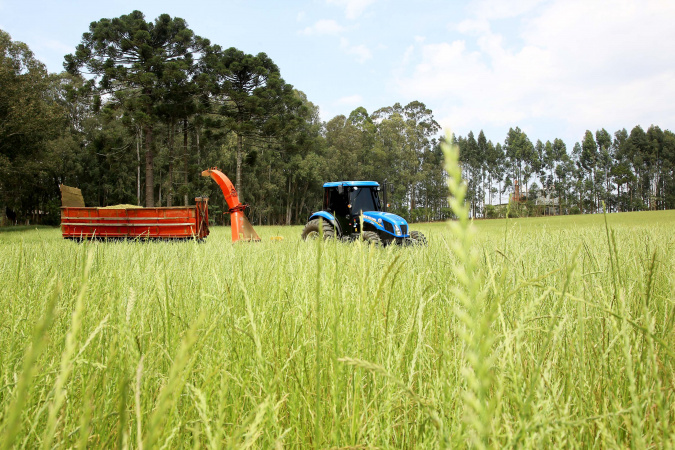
(312, 235)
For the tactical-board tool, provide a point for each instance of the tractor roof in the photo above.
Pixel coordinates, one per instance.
(351, 183)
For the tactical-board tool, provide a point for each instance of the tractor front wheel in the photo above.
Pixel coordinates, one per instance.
(313, 227)
(371, 238)
(417, 238)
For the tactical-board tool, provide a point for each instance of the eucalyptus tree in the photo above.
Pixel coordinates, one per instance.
(471, 161)
(668, 169)
(660, 163)
(433, 187)
(559, 159)
(520, 153)
(603, 164)
(492, 162)
(299, 156)
(538, 164)
(404, 136)
(497, 161)
(482, 162)
(559, 151)
(389, 150)
(588, 158)
(128, 53)
(421, 129)
(532, 163)
(416, 128)
(636, 149)
(548, 163)
(344, 147)
(621, 171)
(577, 175)
(564, 172)
(30, 116)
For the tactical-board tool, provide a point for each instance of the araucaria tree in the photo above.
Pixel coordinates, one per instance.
(250, 95)
(128, 54)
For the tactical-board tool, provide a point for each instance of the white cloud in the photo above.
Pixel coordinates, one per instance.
(331, 27)
(473, 26)
(407, 55)
(323, 27)
(500, 9)
(302, 15)
(353, 8)
(361, 52)
(579, 64)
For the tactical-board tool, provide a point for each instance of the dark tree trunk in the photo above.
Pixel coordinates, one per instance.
(289, 203)
(185, 161)
(169, 191)
(240, 150)
(139, 140)
(302, 203)
(149, 169)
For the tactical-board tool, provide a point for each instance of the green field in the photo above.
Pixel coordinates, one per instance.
(543, 332)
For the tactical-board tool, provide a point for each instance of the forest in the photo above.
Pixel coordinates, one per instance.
(143, 106)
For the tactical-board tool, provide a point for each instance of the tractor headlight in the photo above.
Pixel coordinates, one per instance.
(397, 230)
(379, 221)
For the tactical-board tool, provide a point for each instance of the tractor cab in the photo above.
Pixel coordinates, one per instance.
(353, 209)
(347, 200)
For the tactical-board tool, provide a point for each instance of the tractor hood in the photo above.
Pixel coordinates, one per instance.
(388, 222)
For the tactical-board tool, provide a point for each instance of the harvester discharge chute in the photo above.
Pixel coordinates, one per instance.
(242, 230)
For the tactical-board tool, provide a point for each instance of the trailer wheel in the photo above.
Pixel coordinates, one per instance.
(372, 238)
(311, 230)
(417, 238)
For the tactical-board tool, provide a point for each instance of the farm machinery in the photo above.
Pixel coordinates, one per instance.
(353, 210)
(164, 223)
(241, 227)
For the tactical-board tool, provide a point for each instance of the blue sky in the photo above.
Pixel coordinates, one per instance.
(553, 67)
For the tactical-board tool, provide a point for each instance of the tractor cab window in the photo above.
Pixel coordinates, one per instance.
(363, 199)
(336, 202)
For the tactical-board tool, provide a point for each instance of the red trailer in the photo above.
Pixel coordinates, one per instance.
(178, 222)
(131, 222)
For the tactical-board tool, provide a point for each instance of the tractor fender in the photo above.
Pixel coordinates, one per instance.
(329, 217)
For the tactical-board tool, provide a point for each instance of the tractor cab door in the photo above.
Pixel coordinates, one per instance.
(337, 203)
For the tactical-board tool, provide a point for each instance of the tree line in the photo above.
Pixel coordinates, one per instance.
(143, 107)
(620, 172)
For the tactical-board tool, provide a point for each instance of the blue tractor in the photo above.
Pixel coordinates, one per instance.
(352, 209)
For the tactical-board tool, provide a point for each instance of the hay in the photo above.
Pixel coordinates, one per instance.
(71, 197)
(123, 206)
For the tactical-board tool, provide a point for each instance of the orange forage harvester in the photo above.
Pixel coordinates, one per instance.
(242, 230)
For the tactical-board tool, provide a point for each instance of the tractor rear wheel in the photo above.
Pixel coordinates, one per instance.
(417, 238)
(313, 227)
(372, 238)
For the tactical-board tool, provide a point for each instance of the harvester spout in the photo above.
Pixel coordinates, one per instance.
(241, 227)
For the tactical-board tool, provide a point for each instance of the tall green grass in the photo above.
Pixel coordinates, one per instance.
(518, 333)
